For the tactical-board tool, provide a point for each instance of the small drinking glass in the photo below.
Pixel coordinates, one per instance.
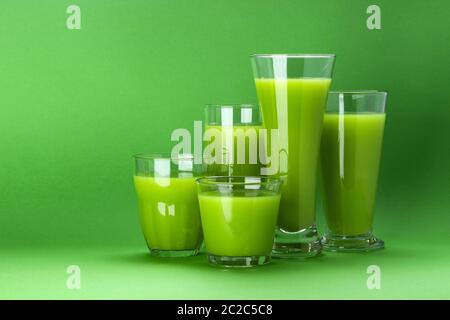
(233, 139)
(168, 204)
(239, 216)
(352, 139)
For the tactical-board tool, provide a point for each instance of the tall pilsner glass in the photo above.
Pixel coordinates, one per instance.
(292, 92)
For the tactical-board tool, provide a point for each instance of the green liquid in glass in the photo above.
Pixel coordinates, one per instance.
(169, 212)
(239, 225)
(295, 107)
(350, 156)
(245, 167)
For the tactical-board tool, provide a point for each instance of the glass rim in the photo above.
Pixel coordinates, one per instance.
(366, 92)
(212, 181)
(230, 105)
(163, 155)
(293, 55)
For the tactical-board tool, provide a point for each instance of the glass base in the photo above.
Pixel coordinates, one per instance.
(296, 245)
(238, 262)
(173, 253)
(361, 243)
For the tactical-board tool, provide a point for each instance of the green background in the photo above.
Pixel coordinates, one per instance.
(76, 104)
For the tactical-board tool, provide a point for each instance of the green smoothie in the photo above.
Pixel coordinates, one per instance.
(295, 107)
(239, 225)
(169, 212)
(244, 139)
(350, 156)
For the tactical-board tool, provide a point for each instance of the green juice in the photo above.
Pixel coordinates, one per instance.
(239, 225)
(169, 212)
(350, 156)
(295, 107)
(249, 136)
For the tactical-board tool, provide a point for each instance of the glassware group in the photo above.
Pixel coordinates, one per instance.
(253, 195)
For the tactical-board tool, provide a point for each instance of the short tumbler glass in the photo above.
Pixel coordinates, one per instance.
(168, 204)
(239, 216)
